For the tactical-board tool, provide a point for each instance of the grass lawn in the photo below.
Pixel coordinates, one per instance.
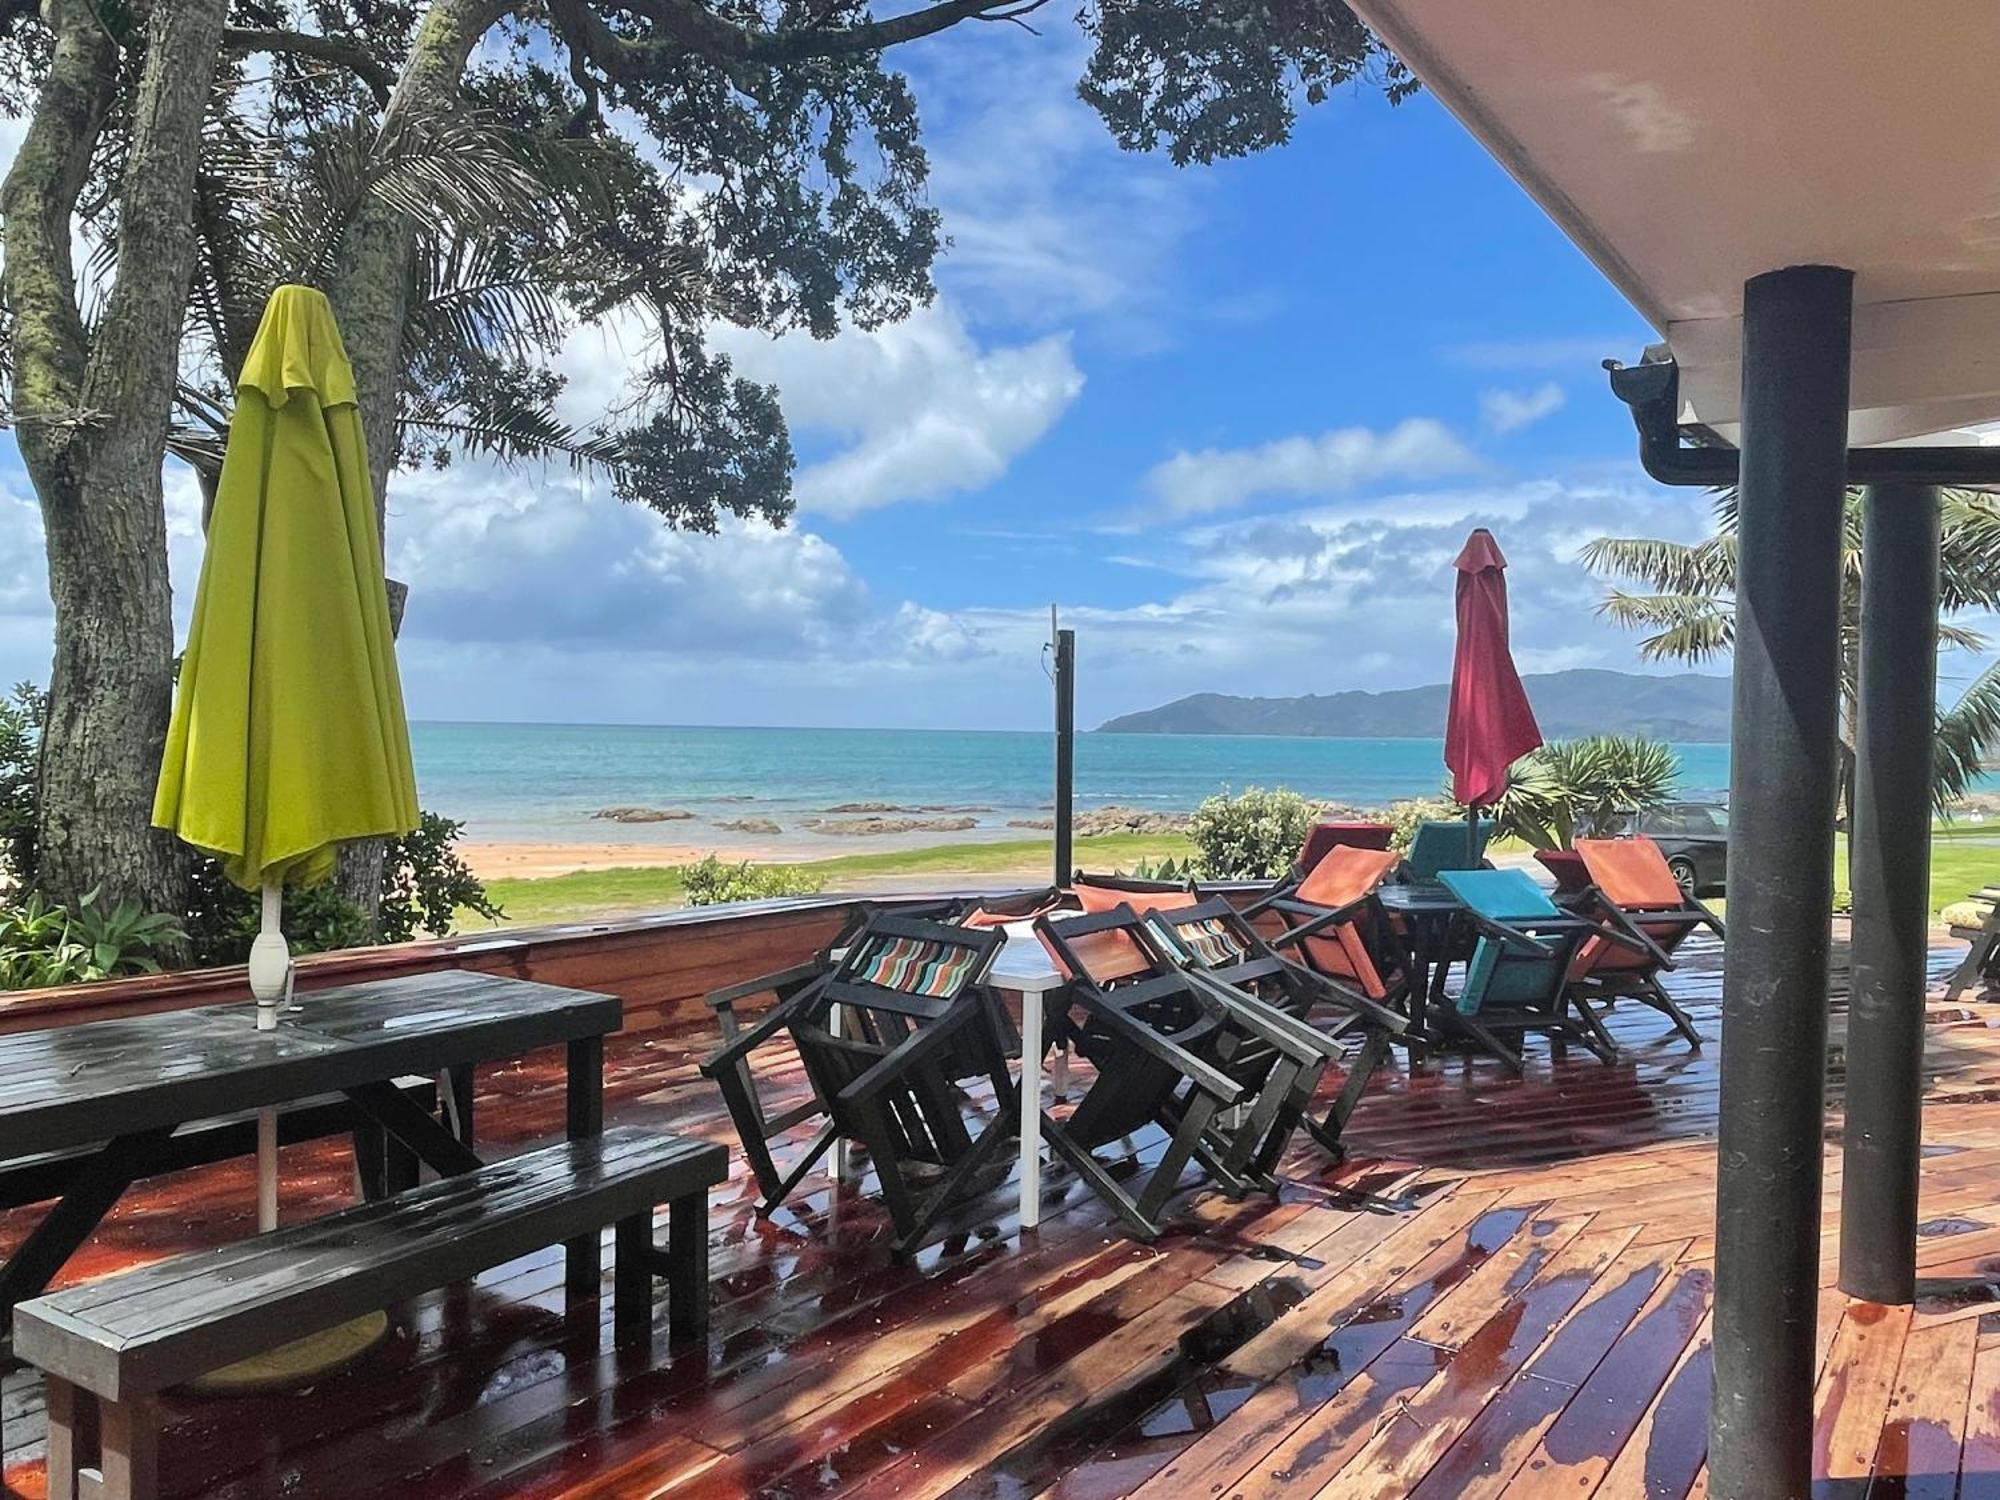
(1964, 857)
(597, 893)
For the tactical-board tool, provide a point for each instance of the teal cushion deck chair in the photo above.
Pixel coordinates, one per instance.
(1517, 978)
(1441, 846)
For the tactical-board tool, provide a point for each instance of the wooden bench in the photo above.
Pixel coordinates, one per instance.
(114, 1344)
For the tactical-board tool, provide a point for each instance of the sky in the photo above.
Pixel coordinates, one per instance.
(1233, 421)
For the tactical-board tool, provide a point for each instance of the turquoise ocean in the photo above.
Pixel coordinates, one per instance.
(541, 783)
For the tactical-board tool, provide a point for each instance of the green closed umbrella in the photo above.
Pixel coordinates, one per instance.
(288, 737)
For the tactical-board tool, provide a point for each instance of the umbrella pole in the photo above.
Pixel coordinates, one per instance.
(270, 979)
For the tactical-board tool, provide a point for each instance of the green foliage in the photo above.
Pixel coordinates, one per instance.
(1165, 869)
(1211, 79)
(1688, 611)
(1571, 789)
(43, 945)
(425, 884)
(1405, 816)
(1254, 835)
(21, 715)
(712, 880)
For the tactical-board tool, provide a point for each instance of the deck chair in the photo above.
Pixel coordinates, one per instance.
(1572, 875)
(914, 1020)
(1020, 906)
(758, 1118)
(1517, 977)
(1457, 844)
(1161, 1049)
(1980, 968)
(1214, 942)
(1636, 894)
(1323, 838)
(867, 940)
(1094, 893)
(1337, 929)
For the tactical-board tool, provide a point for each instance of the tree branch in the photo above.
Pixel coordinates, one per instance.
(342, 53)
(134, 356)
(36, 207)
(690, 27)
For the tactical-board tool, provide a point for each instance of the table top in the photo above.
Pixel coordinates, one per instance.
(1024, 966)
(1419, 899)
(73, 1085)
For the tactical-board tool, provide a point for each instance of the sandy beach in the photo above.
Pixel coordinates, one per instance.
(505, 861)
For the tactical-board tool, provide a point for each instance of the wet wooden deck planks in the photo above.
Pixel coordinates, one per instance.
(1504, 1291)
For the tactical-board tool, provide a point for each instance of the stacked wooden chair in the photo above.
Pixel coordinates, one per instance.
(1218, 947)
(899, 1020)
(1336, 927)
(1170, 1052)
(1517, 976)
(1633, 891)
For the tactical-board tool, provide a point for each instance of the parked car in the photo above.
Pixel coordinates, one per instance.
(1694, 836)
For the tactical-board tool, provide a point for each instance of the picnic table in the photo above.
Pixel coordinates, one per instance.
(124, 1086)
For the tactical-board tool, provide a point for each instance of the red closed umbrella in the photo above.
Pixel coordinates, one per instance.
(1490, 724)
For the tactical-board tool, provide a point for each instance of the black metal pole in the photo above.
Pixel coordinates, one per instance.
(1796, 347)
(1890, 863)
(1065, 751)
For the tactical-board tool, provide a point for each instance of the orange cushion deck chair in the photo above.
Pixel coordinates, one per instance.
(1334, 924)
(1636, 895)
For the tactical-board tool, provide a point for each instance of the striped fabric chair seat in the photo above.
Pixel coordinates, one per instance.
(912, 966)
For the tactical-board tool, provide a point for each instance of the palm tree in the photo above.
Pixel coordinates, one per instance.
(1571, 789)
(1689, 613)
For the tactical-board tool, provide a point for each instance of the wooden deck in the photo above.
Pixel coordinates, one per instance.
(1504, 1291)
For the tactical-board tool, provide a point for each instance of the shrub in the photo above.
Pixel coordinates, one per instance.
(42, 945)
(711, 881)
(1254, 835)
(425, 884)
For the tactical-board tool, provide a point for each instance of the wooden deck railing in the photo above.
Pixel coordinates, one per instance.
(654, 963)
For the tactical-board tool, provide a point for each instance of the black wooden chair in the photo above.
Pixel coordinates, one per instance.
(760, 1118)
(903, 1020)
(1220, 947)
(1171, 1051)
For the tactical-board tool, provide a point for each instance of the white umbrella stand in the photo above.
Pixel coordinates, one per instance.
(271, 983)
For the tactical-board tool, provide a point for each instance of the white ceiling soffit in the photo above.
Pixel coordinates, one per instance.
(1689, 147)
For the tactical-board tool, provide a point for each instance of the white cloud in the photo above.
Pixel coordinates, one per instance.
(1051, 224)
(919, 411)
(1509, 411)
(1217, 479)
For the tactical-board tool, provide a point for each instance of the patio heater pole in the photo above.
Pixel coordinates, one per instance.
(1891, 837)
(1065, 750)
(1796, 349)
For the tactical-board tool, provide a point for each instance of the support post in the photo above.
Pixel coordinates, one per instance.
(1890, 864)
(1796, 348)
(1065, 752)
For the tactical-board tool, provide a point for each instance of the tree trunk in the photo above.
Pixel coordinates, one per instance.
(93, 414)
(371, 288)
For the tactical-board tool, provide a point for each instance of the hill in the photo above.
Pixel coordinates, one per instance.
(1687, 708)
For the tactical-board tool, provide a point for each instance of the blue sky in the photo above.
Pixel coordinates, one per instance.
(1234, 420)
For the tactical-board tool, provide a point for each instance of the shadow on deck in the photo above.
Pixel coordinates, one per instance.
(1504, 1290)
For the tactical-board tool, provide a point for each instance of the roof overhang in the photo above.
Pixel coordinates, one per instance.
(1686, 149)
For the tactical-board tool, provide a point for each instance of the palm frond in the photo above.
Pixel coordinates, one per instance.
(1707, 567)
(1967, 733)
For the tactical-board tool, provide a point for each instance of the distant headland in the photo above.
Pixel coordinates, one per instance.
(1688, 708)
